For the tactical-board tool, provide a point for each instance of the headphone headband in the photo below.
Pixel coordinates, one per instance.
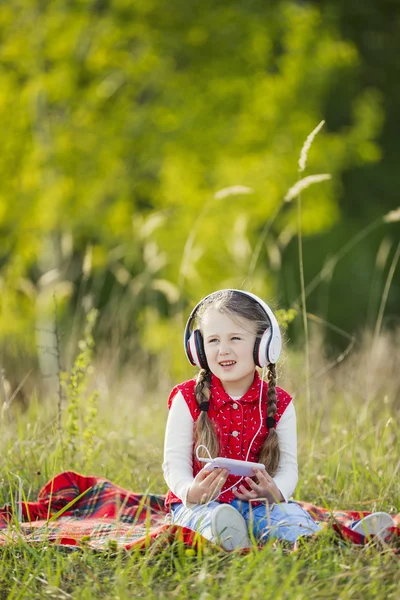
(268, 348)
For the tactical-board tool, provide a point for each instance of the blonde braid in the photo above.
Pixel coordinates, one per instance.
(204, 430)
(269, 454)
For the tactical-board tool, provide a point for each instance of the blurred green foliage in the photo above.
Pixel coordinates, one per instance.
(121, 121)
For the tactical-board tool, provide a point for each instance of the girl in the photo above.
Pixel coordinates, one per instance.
(229, 411)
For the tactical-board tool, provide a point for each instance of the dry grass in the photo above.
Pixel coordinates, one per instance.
(350, 460)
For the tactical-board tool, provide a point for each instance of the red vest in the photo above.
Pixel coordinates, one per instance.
(237, 421)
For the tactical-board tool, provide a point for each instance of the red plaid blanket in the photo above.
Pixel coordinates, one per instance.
(75, 510)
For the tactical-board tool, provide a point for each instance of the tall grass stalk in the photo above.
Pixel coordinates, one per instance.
(260, 242)
(307, 145)
(385, 294)
(296, 191)
(57, 350)
(330, 365)
(235, 190)
(345, 249)
(374, 350)
(75, 385)
(290, 195)
(304, 314)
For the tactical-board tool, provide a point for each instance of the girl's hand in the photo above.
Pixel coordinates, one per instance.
(206, 485)
(264, 488)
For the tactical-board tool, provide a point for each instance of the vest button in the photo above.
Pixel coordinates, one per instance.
(235, 406)
(235, 433)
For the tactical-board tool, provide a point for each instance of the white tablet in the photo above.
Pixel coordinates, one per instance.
(241, 468)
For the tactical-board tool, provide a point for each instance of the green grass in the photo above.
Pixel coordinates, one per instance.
(350, 461)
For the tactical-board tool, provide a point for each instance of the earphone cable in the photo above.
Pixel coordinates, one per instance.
(252, 441)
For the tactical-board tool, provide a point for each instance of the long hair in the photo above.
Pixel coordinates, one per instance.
(270, 453)
(235, 305)
(205, 432)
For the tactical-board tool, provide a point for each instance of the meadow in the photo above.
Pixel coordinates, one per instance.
(149, 158)
(348, 459)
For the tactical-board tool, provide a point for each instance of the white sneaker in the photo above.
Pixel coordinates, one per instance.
(229, 528)
(375, 524)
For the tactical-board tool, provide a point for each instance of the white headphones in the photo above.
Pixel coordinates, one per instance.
(267, 347)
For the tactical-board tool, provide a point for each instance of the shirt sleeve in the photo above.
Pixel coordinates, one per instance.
(178, 448)
(286, 476)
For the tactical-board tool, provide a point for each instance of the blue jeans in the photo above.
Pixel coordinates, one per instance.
(284, 521)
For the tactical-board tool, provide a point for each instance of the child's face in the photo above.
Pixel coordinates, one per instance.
(229, 345)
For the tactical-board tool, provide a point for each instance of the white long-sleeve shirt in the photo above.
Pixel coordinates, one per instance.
(178, 450)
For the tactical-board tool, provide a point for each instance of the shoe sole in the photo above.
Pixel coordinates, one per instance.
(377, 524)
(229, 528)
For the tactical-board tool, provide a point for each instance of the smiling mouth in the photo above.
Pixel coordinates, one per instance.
(227, 363)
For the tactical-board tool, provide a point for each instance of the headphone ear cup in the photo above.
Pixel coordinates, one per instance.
(261, 349)
(195, 348)
(200, 350)
(274, 346)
